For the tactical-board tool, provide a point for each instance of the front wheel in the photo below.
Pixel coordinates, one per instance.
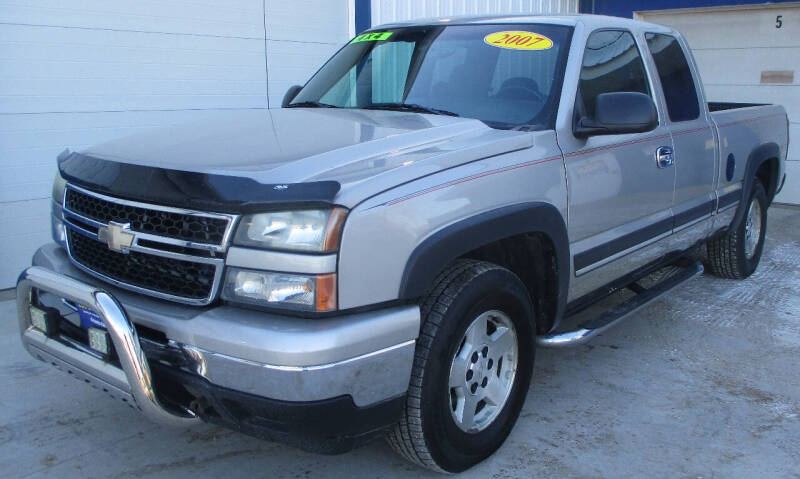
(471, 370)
(737, 254)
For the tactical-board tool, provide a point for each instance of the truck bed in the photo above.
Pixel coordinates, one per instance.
(742, 127)
(728, 105)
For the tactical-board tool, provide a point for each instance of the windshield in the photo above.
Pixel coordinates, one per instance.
(508, 76)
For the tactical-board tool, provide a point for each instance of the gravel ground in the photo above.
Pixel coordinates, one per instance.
(703, 383)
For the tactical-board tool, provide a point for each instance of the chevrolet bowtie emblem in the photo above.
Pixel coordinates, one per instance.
(117, 236)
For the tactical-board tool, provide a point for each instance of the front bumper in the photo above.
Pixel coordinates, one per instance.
(256, 372)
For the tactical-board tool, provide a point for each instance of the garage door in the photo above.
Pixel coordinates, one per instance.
(78, 72)
(748, 54)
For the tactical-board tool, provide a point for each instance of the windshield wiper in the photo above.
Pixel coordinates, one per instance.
(311, 104)
(409, 107)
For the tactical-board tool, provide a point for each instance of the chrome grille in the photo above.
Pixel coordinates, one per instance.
(189, 227)
(175, 254)
(186, 279)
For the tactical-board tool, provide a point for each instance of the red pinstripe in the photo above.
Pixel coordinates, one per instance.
(470, 178)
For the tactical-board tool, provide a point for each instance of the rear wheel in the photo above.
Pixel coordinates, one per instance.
(737, 254)
(471, 370)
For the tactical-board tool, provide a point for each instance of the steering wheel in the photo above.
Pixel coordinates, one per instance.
(521, 87)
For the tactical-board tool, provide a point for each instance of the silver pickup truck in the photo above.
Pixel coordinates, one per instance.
(382, 256)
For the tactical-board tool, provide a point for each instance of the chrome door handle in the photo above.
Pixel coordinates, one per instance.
(665, 157)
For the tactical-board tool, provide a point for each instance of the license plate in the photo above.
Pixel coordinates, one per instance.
(89, 318)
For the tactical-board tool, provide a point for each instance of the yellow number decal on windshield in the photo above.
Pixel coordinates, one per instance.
(372, 37)
(518, 40)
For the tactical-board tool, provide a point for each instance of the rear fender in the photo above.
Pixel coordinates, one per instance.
(757, 157)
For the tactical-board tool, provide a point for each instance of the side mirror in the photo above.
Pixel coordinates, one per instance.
(290, 94)
(618, 113)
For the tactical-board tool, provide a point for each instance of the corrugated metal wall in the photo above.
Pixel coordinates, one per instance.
(79, 72)
(385, 11)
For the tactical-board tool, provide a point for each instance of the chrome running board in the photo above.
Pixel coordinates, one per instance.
(620, 312)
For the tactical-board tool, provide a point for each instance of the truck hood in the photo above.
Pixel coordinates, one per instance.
(363, 151)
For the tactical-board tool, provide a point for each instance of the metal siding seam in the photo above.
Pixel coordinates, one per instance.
(266, 62)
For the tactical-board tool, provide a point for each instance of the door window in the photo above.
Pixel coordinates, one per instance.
(611, 63)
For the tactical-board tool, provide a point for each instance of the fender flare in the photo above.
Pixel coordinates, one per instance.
(453, 241)
(754, 161)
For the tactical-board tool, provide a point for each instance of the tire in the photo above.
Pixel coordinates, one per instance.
(471, 303)
(736, 254)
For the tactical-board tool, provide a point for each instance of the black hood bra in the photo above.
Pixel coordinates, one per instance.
(190, 190)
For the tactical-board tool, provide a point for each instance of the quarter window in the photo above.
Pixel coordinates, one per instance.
(611, 63)
(676, 77)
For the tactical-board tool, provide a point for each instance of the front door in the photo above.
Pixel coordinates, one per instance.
(620, 194)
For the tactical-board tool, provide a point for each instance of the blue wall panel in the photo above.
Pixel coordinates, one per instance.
(363, 15)
(625, 8)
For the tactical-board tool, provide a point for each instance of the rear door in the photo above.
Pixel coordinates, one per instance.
(696, 157)
(619, 198)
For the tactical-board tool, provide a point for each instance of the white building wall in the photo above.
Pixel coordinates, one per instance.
(79, 72)
(386, 11)
(301, 36)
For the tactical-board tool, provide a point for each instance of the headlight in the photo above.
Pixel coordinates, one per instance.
(57, 229)
(59, 185)
(303, 230)
(289, 291)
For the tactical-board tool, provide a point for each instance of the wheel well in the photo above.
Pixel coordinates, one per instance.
(767, 174)
(532, 257)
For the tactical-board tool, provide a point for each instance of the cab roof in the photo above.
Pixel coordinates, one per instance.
(590, 21)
